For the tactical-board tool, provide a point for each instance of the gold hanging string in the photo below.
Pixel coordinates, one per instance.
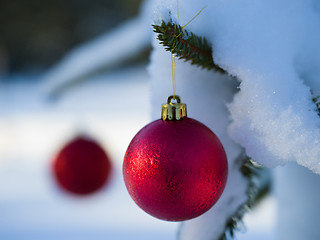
(194, 17)
(173, 68)
(173, 59)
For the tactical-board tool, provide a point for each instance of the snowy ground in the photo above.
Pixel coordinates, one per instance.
(111, 108)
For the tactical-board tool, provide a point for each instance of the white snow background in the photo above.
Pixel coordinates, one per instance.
(272, 47)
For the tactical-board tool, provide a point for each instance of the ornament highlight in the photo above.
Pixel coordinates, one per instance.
(82, 167)
(175, 168)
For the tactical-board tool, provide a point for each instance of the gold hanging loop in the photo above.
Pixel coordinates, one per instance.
(173, 110)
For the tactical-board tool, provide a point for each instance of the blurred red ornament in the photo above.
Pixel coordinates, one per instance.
(175, 169)
(82, 167)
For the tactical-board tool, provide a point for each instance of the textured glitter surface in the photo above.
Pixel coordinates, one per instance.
(175, 170)
(81, 167)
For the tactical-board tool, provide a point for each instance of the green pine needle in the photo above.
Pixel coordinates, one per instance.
(316, 100)
(186, 45)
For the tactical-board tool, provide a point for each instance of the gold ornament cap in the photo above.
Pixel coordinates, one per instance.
(173, 110)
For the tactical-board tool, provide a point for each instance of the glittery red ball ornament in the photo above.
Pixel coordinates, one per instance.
(175, 169)
(82, 167)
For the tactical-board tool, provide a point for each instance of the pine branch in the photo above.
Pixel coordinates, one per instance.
(259, 187)
(316, 101)
(255, 195)
(186, 45)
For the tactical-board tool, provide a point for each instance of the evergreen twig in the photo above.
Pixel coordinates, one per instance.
(316, 101)
(255, 195)
(186, 45)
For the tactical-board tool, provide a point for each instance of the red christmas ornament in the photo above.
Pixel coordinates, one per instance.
(81, 167)
(175, 168)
